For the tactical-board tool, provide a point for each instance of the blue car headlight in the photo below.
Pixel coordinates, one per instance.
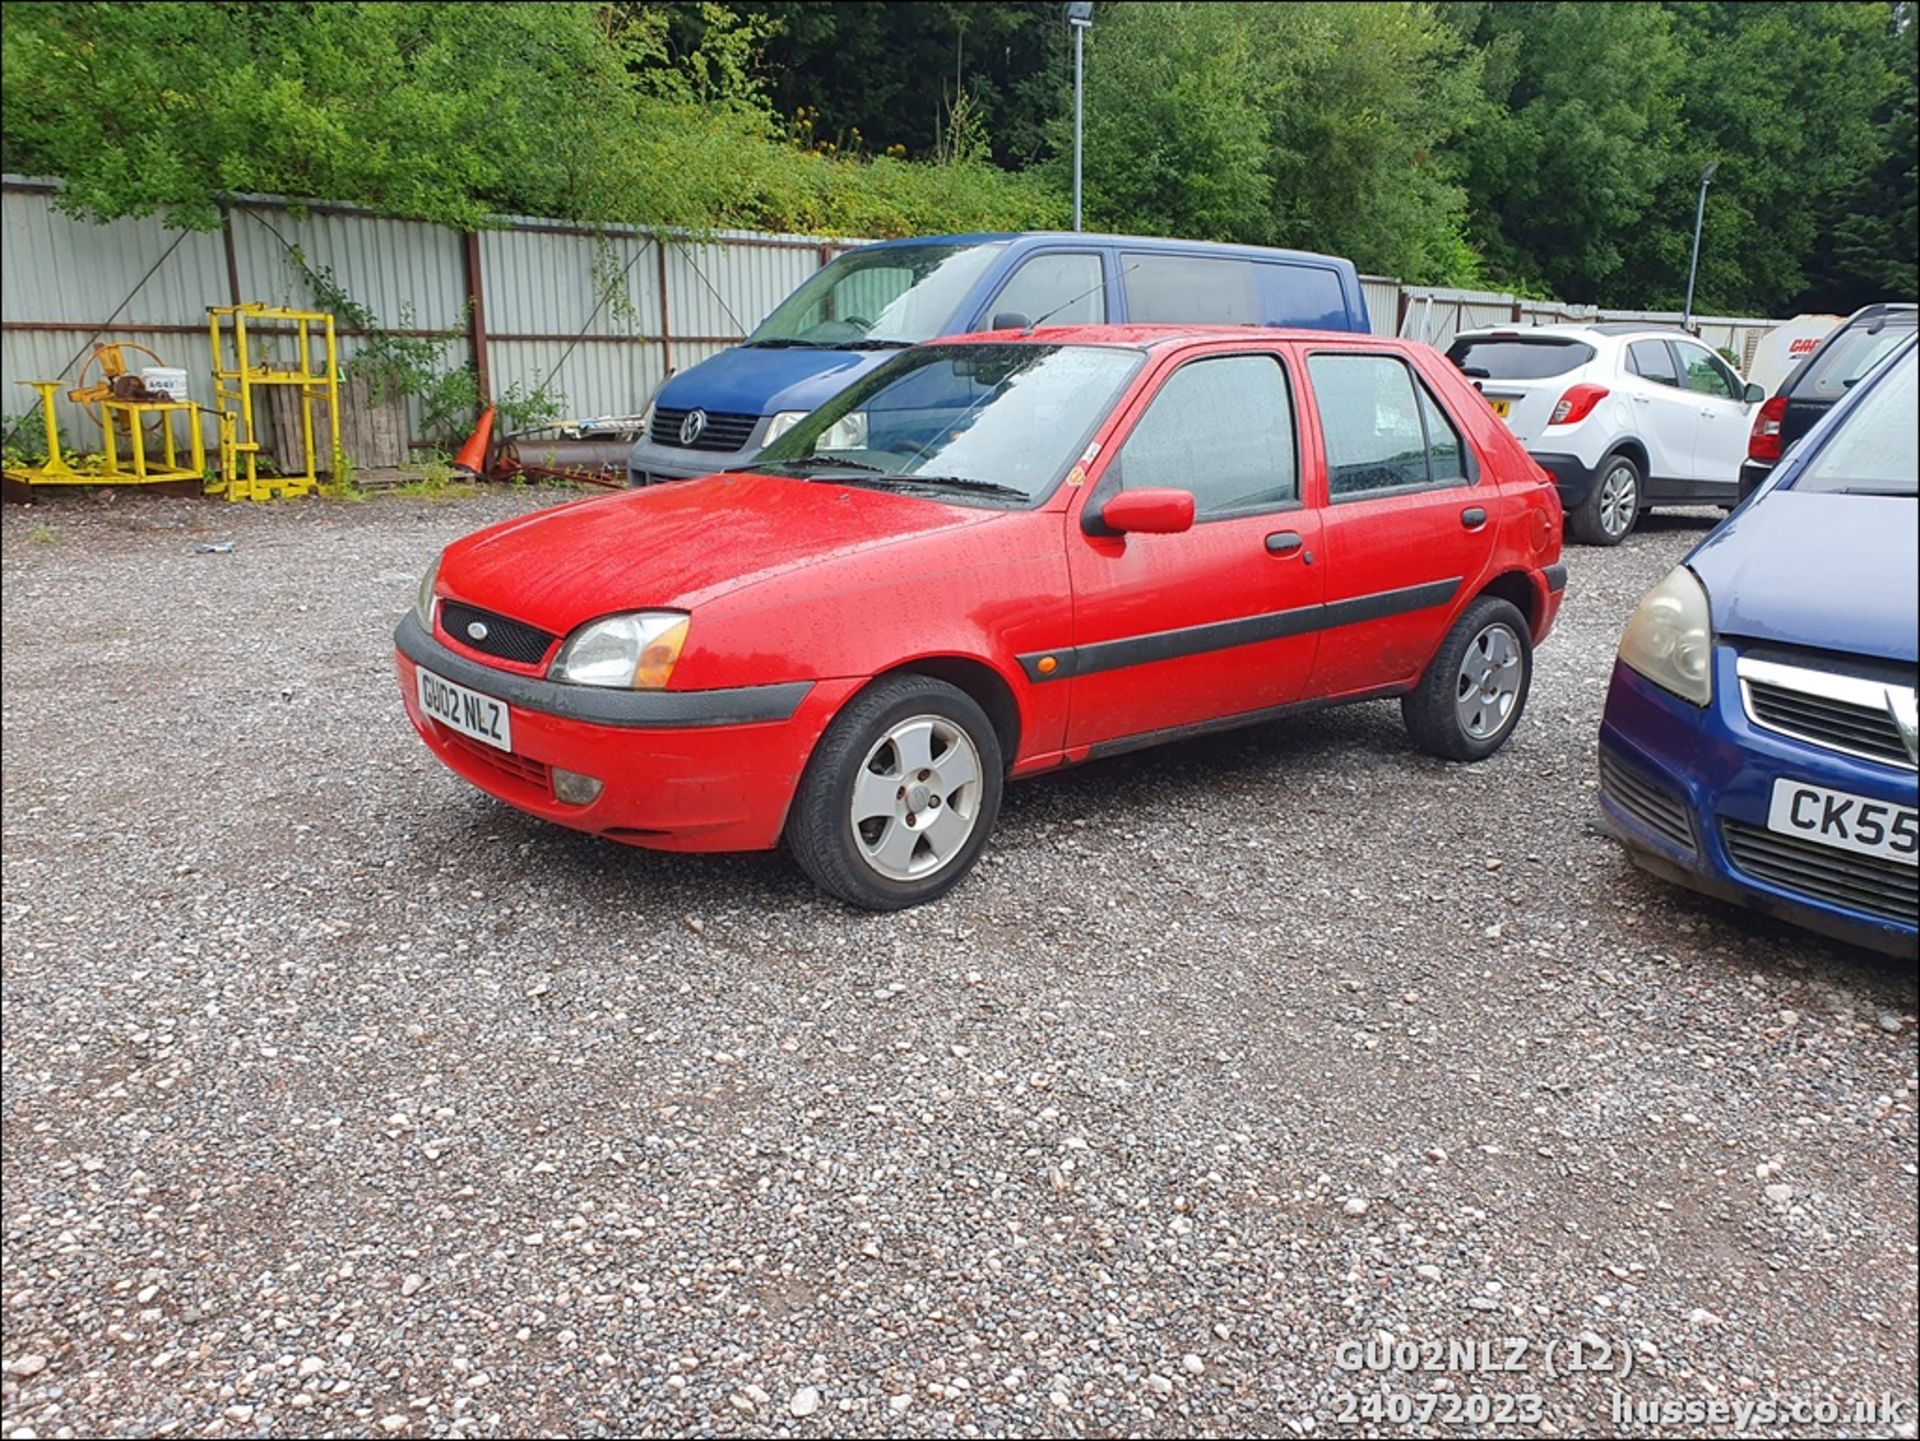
(1669, 640)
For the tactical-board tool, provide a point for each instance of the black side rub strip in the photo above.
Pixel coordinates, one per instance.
(1226, 634)
(659, 709)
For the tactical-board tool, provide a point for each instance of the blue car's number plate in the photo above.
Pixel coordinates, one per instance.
(1845, 822)
(467, 711)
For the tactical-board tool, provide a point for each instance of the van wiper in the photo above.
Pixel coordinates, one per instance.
(782, 342)
(876, 345)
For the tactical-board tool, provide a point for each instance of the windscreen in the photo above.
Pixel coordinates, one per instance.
(994, 422)
(1876, 451)
(1508, 358)
(879, 296)
(1851, 355)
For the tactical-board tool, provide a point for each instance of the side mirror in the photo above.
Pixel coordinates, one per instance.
(1755, 393)
(1149, 512)
(1009, 320)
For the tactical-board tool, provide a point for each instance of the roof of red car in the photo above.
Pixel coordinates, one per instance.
(1148, 337)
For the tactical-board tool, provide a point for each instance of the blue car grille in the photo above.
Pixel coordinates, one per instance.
(722, 432)
(1655, 807)
(1861, 883)
(1835, 724)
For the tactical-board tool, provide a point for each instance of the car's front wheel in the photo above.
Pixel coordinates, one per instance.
(1475, 688)
(1611, 510)
(900, 796)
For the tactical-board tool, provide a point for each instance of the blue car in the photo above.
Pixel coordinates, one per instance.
(854, 312)
(1759, 742)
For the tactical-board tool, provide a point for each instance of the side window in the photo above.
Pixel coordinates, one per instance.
(1651, 360)
(1309, 295)
(1707, 374)
(1222, 429)
(1189, 290)
(1375, 437)
(1448, 455)
(1067, 286)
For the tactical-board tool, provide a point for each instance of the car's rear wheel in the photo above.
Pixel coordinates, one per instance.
(1609, 513)
(1475, 688)
(900, 796)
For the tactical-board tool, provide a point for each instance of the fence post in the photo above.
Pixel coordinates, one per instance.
(477, 319)
(666, 330)
(233, 256)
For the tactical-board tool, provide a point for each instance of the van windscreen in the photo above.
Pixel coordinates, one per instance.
(878, 297)
(1514, 358)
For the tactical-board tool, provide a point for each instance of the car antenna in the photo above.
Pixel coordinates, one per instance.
(1101, 284)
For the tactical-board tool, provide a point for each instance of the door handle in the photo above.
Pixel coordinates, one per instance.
(1284, 542)
(1473, 517)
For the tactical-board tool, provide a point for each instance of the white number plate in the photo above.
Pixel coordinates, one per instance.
(1845, 822)
(467, 711)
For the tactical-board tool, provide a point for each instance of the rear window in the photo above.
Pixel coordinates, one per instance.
(1855, 351)
(1189, 290)
(1876, 451)
(1515, 359)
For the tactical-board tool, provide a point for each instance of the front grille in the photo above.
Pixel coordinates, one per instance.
(722, 432)
(505, 637)
(1652, 805)
(521, 768)
(1862, 883)
(1839, 725)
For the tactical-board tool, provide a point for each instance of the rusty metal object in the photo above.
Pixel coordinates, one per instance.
(599, 461)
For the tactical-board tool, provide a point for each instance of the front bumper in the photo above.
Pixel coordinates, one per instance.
(1573, 478)
(1679, 780)
(651, 464)
(681, 770)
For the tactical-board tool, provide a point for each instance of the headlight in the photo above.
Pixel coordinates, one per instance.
(423, 602)
(1669, 640)
(627, 652)
(849, 432)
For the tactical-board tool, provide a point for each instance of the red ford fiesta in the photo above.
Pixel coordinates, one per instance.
(992, 557)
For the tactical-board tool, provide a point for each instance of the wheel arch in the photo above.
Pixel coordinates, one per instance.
(1523, 591)
(989, 689)
(1635, 450)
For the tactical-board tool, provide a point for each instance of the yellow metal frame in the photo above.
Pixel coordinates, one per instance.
(108, 470)
(239, 432)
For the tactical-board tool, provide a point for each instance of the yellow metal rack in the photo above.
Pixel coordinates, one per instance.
(248, 371)
(107, 469)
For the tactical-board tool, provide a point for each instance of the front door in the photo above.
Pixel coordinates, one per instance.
(1408, 524)
(1177, 631)
(1720, 442)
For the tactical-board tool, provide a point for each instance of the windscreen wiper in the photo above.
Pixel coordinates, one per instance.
(819, 462)
(782, 342)
(965, 482)
(876, 345)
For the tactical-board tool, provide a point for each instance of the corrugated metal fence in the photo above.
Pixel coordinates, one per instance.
(595, 316)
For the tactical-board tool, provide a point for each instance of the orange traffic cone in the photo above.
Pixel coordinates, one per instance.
(472, 459)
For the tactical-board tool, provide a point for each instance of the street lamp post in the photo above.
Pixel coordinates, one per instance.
(1079, 18)
(1699, 215)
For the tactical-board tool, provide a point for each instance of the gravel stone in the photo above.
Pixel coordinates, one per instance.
(293, 1015)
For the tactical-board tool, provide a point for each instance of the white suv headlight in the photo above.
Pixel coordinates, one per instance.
(635, 651)
(1669, 640)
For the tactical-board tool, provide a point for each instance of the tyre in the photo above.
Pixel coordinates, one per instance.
(1609, 512)
(1475, 688)
(900, 795)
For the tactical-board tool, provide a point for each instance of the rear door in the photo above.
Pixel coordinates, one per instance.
(1407, 523)
(1175, 631)
(1522, 376)
(1664, 415)
(1719, 396)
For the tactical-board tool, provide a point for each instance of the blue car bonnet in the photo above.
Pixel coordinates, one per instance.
(748, 381)
(1836, 572)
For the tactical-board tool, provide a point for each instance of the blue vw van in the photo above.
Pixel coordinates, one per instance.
(870, 302)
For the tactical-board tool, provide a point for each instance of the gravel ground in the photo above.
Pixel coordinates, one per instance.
(342, 1100)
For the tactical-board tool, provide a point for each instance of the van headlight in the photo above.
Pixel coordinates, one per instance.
(636, 651)
(1669, 640)
(847, 433)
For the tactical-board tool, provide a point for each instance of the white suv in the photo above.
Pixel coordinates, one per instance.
(1625, 416)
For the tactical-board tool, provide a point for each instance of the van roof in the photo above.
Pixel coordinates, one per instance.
(1151, 337)
(1161, 243)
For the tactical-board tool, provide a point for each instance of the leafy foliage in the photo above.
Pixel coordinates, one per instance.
(1549, 147)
